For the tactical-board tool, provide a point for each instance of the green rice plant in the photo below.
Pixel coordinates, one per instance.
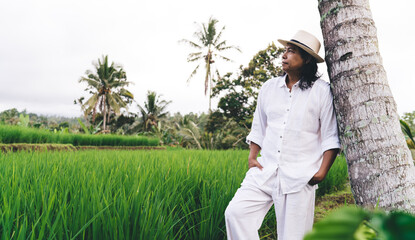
(172, 194)
(117, 194)
(17, 134)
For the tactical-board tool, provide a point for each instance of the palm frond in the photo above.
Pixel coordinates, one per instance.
(190, 132)
(142, 110)
(222, 47)
(196, 54)
(191, 43)
(210, 31)
(113, 104)
(223, 58)
(125, 93)
(162, 106)
(194, 59)
(119, 100)
(218, 37)
(91, 82)
(193, 73)
(91, 102)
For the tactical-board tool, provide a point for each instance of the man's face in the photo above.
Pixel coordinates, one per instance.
(291, 59)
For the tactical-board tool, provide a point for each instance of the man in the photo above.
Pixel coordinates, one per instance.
(295, 129)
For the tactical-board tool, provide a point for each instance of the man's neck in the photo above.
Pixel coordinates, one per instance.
(292, 79)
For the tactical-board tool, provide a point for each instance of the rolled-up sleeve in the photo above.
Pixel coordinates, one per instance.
(329, 133)
(259, 122)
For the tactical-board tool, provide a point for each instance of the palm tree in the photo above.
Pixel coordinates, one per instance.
(380, 166)
(107, 89)
(190, 133)
(208, 45)
(153, 111)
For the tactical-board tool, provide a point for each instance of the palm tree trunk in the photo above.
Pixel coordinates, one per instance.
(208, 80)
(108, 114)
(379, 161)
(104, 112)
(210, 95)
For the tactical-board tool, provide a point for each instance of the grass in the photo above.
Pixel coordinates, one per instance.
(17, 134)
(330, 202)
(177, 194)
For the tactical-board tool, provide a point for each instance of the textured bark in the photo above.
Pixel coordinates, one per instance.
(379, 161)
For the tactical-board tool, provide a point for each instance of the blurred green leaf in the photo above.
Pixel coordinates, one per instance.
(364, 231)
(399, 226)
(341, 224)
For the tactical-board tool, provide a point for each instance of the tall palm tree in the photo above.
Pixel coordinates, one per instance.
(209, 45)
(153, 110)
(107, 88)
(380, 166)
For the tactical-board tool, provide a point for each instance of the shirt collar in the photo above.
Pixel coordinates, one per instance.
(282, 82)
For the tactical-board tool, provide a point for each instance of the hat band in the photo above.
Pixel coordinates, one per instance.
(293, 40)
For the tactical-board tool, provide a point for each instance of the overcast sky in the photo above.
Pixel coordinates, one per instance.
(47, 45)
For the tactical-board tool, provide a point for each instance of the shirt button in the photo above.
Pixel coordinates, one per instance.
(280, 136)
(290, 95)
(278, 150)
(284, 122)
(288, 110)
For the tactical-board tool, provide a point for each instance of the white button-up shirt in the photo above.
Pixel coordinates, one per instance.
(293, 129)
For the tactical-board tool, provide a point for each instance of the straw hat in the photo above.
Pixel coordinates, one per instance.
(307, 42)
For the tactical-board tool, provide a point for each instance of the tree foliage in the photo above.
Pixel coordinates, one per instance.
(154, 109)
(241, 91)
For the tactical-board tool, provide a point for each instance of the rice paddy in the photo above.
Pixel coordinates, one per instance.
(172, 194)
(16, 134)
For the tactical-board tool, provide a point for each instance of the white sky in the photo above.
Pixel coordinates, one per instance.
(47, 45)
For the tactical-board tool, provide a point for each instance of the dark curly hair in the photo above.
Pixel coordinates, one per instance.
(309, 71)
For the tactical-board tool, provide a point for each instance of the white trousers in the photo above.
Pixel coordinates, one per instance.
(246, 211)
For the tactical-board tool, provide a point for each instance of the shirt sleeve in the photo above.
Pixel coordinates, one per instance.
(328, 123)
(259, 122)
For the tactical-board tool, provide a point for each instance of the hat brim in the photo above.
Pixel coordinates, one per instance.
(308, 50)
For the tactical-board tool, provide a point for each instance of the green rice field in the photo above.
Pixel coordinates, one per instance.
(17, 134)
(172, 194)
